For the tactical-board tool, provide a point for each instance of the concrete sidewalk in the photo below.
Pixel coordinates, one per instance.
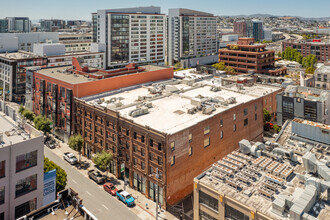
(140, 200)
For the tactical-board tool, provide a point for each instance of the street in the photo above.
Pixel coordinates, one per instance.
(95, 199)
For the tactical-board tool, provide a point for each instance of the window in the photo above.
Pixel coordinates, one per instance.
(160, 160)
(255, 107)
(151, 143)
(2, 195)
(151, 156)
(142, 152)
(246, 122)
(172, 160)
(134, 161)
(255, 116)
(26, 185)
(134, 148)
(142, 165)
(2, 168)
(245, 111)
(231, 213)
(190, 151)
(127, 132)
(159, 146)
(26, 161)
(208, 201)
(234, 117)
(151, 170)
(134, 135)
(207, 129)
(172, 146)
(221, 134)
(234, 128)
(190, 138)
(221, 123)
(25, 208)
(206, 142)
(205, 216)
(142, 138)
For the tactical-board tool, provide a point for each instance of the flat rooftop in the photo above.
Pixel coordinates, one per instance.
(18, 55)
(262, 180)
(12, 133)
(62, 73)
(173, 105)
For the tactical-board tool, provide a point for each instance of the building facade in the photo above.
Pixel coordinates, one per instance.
(240, 28)
(51, 25)
(247, 56)
(76, 42)
(192, 37)
(3, 25)
(304, 103)
(320, 49)
(21, 169)
(254, 29)
(160, 128)
(19, 24)
(131, 35)
(322, 77)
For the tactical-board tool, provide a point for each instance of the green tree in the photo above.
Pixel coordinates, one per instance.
(43, 124)
(219, 66)
(277, 128)
(266, 115)
(61, 176)
(102, 160)
(76, 142)
(177, 65)
(309, 61)
(21, 109)
(279, 54)
(310, 70)
(28, 114)
(230, 70)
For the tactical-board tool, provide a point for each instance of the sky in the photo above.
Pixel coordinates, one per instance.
(82, 9)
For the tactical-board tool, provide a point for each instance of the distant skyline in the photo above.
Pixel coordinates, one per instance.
(82, 9)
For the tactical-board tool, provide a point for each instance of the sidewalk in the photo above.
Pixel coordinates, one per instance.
(140, 200)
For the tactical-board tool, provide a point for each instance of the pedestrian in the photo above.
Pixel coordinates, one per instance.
(146, 205)
(160, 207)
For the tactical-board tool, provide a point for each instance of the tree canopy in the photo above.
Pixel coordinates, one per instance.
(102, 160)
(219, 66)
(76, 142)
(42, 123)
(266, 115)
(61, 176)
(291, 54)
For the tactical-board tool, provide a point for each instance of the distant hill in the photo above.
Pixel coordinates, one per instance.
(277, 16)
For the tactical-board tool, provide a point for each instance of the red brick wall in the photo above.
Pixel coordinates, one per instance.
(180, 176)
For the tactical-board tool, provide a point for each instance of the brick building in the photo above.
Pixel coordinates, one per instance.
(320, 49)
(240, 28)
(171, 128)
(50, 91)
(247, 56)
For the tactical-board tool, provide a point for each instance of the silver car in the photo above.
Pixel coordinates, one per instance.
(70, 157)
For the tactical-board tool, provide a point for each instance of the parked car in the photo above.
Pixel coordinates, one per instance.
(51, 144)
(125, 197)
(110, 188)
(70, 157)
(96, 176)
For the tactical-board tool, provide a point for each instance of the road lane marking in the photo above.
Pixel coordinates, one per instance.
(74, 181)
(105, 207)
(88, 193)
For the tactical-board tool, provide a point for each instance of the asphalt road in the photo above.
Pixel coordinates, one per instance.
(95, 199)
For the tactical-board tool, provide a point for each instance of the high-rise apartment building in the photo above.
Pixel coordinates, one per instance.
(254, 28)
(3, 25)
(131, 35)
(192, 37)
(21, 168)
(240, 28)
(19, 24)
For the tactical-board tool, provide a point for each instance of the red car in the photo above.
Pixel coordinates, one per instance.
(110, 188)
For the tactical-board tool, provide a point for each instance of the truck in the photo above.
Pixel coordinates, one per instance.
(125, 197)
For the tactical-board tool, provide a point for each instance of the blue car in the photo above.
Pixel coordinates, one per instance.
(125, 197)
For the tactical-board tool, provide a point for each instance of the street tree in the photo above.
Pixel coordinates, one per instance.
(177, 65)
(230, 70)
(21, 109)
(28, 114)
(43, 124)
(76, 142)
(102, 160)
(219, 66)
(309, 61)
(266, 115)
(61, 176)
